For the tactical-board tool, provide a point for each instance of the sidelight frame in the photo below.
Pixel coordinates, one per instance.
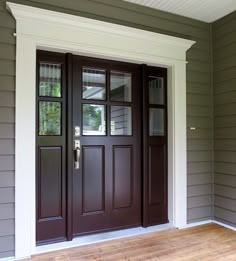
(61, 32)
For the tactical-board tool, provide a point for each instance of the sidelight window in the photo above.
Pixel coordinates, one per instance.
(156, 122)
(50, 100)
(50, 80)
(156, 90)
(49, 118)
(157, 106)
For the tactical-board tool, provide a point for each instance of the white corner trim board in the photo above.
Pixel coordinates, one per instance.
(42, 29)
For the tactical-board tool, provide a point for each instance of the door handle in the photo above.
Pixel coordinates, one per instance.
(76, 154)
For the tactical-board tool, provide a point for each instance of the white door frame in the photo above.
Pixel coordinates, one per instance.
(42, 29)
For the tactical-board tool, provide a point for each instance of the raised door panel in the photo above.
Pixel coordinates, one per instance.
(157, 185)
(122, 176)
(50, 182)
(93, 179)
(157, 170)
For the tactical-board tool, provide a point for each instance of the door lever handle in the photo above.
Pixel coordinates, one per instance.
(76, 154)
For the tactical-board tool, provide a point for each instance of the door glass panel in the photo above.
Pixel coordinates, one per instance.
(156, 122)
(50, 80)
(94, 84)
(121, 120)
(94, 119)
(49, 118)
(121, 86)
(156, 90)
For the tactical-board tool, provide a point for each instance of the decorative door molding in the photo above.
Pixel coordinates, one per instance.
(48, 30)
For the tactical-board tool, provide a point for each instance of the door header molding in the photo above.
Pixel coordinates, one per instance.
(54, 31)
(90, 34)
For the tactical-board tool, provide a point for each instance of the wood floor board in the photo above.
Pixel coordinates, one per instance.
(209, 242)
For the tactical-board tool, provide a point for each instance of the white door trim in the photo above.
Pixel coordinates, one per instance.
(42, 29)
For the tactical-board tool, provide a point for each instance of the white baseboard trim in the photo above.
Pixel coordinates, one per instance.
(224, 225)
(208, 222)
(197, 224)
(11, 258)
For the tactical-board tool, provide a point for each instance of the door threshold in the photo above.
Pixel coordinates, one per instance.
(101, 237)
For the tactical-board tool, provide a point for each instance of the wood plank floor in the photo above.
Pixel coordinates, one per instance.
(206, 242)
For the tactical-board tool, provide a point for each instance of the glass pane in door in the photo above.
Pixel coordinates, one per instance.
(94, 119)
(156, 90)
(156, 122)
(121, 86)
(94, 84)
(49, 118)
(50, 80)
(121, 120)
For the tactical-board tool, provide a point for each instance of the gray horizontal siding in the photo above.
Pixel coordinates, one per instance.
(7, 36)
(7, 195)
(7, 113)
(7, 227)
(199, 213)
(199, 94)
(225, 215)
(6, 163)
(199, 179)
(225, 179)
(7, 83)
(7, 132)
(224, 82)
(6, 179)
(6, 245)
(7, 51)
(7, 254)
(7, 211)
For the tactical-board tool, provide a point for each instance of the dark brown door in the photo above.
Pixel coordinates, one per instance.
(106, 117)
(154, 146)
(101, 152)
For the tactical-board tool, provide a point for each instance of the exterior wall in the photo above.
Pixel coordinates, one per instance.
(224, 64)
(7, 71)
(199, 98)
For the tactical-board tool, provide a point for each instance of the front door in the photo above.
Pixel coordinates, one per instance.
(101, 146)
(106, 140)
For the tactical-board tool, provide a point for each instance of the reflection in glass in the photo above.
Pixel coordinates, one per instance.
(50, 80)
(94, 84)
(94, 119)
(156, 122)
(156, 90)
(49, 118)
(121, 86)
(121, 120)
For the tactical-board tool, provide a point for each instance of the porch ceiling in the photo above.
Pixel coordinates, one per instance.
(203, 10)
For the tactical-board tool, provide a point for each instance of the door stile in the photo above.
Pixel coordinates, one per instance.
(144, 147)
(69, 148)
